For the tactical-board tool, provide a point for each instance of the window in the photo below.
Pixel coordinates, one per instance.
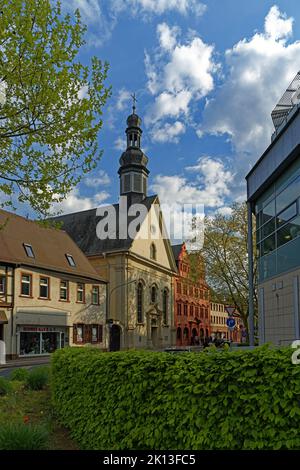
(28, 250)
(197, 292)
(178, 287)
(289, 231)
(153, 294)
(287, 214)
(83, 333)
(165, 306)
(44, 288)
(80, 292)
(2, 284)
(26, 285)
(126, 183)
(185, 309)
(137, 182)
(185, 289)
(64, 291)
(140, 303)
(191, 310)
(70, 260)
(190, 290)
(78, 333)
(153, 251)
(95, 295)
(179, 309)
(196, 311)
(96, 333)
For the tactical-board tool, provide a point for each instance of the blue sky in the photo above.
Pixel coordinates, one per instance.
(207, 76)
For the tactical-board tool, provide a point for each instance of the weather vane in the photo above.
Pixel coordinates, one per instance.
(134, 101)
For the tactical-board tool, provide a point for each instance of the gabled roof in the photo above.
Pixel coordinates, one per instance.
(50, 247)
(177, 250)
(81, 226)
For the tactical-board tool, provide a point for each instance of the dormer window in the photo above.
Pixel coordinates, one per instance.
(71, 260)
(28, 250)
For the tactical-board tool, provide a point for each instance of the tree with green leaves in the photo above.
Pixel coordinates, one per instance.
(50, 104)
(225, 252)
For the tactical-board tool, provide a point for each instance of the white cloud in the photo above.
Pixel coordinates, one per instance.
(178, 74)
(167, 36)
(159, 7)
(225, 210)
(120, 143)
(277, 25)
(210, 185)
(260, 69)
(101, 180)
(75, 202)
(169, 132)
(122, 99)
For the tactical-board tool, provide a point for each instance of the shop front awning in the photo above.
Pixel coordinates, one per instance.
(3, 317)
(35, 316)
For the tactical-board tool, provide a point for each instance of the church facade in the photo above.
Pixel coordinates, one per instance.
(133, 257)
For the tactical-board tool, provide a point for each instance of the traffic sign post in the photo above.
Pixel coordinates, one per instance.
(230, 310)
(230, 322)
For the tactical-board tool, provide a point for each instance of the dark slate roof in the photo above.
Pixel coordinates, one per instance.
(81, 226)
(176, 250)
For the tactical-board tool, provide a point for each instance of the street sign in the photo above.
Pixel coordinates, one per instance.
(230, 322)
(230, 310)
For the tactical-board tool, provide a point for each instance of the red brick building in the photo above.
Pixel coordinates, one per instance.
(191, 303)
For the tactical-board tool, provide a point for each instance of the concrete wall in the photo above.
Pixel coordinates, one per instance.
(279, 309)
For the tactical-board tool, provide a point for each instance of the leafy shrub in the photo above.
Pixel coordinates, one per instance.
(5, 386)
(19, 374)
(23, 437)
(37, 378)
(146, 400)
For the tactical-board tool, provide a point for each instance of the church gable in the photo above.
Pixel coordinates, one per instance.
(150, 243)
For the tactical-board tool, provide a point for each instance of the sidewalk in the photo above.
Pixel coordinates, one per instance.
(25, 362)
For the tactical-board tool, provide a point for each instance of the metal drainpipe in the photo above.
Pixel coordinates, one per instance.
(250, 276)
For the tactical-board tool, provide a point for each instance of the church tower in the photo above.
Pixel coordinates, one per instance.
(133, 169)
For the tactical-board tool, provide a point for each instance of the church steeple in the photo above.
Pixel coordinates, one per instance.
(133, 169)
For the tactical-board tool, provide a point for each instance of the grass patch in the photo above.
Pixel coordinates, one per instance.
(30, 413)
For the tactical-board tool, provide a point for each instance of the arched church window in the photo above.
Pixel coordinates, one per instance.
(153, 251)
(153, 294)
(165, 306)
(140, 302)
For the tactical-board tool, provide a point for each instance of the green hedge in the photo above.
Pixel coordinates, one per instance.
(147, 400)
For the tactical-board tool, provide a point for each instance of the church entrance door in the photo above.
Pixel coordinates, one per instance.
(115, 338)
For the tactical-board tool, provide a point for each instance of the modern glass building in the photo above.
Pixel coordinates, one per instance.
(273, 187)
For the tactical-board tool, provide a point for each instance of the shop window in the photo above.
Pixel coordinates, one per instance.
(28, 250)
(80, 292)
(44, 288)
(95, 295)
(64, 291)
(26, 285)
